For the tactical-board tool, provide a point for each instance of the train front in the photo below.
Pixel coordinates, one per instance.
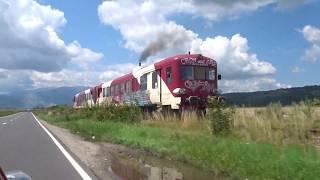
(198, 79)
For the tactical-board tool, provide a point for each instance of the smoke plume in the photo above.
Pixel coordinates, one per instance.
(173, 40)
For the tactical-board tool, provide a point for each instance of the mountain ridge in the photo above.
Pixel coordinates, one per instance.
(285, 96)
(45, 97)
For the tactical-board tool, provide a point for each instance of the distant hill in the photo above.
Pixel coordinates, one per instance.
(263, 98)
(63, 96)
(42, 97)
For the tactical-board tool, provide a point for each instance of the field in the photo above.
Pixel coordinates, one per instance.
(274, 142)
(7, 112)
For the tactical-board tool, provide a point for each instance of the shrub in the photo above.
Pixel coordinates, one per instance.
(220, 117)
(124, 113)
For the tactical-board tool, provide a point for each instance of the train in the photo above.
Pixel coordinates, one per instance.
(177, 83)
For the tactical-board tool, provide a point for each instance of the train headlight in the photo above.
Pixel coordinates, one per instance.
(179, 91)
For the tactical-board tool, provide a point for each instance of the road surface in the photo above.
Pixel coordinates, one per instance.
(27, 146)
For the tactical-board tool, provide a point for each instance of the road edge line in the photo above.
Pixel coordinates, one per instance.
(73, 162)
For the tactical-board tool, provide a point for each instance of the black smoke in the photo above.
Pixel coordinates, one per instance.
(165, 41)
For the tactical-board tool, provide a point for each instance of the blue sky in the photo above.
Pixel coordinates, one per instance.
(98, 40)
(273, 35)
(84, 25)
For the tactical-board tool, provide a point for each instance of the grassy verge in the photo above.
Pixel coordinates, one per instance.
(7, 112)
(190, 141)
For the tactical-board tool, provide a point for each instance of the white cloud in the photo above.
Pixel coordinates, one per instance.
(312, 35)
(65, 78)
(32, 52)
(217, 10)
(14, 80)
(29, 38)
(116, 70)
(145, 23)
(289, 4)
(83, 57)
(234, 60)
(250, 85)
(297, 69)
(80, 78)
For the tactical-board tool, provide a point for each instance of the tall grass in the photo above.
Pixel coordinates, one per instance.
(273, 124)
(276, 124)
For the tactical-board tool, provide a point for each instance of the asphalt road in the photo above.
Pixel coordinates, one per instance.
(26, 146)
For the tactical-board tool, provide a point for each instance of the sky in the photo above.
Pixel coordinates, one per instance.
(258, 44)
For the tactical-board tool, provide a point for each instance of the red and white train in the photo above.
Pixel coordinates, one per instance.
(178, 82)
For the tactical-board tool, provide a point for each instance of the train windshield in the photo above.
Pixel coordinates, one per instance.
(200, 73)
(186, 73)
(197, 73)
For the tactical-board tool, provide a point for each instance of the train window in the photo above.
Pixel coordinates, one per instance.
(112, 90)
(211, 74)
(122, 88)
(186, 73)
(143, 82)
(169, 74)
(154, 80)
(128, 86)
(108, 91)
(200, 73)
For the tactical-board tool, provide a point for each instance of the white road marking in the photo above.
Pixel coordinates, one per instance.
(4, 123)
(74, 163)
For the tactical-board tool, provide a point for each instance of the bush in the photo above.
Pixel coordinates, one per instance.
(220, 117)
(316, 102)
(117, 113)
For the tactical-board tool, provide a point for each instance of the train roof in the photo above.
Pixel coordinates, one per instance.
(87, 91)
(106, 84)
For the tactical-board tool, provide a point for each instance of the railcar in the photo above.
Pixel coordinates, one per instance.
(178, 82)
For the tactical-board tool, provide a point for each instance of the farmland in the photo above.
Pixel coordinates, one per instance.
(7, 112)
(272, 142)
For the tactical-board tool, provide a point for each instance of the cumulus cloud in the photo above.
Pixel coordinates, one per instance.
(13, 80)
(80, 78)
(250, 85)
(146, 29)
(116, 70)
(234, 60)
(289, 4)
(65, 78)
(29, 38)
(312, 35)
(297, 69)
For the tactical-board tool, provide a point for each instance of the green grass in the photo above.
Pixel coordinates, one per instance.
(195, 145)
(7, 112)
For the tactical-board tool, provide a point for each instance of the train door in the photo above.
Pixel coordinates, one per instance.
(155, 87)
(167, 82)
